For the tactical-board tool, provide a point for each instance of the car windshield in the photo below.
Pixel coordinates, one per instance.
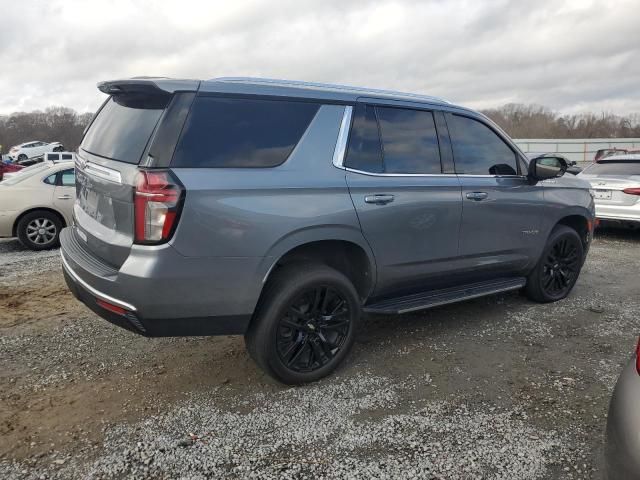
(24, 174)
(626, 167)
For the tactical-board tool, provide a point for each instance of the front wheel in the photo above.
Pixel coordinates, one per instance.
(557, 271)
(305, 324)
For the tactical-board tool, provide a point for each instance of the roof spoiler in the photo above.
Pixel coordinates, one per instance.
(149, 85)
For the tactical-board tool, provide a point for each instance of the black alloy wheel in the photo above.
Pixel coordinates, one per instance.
(561, 267)
(305, 323)
(558, 268)
(314, 329)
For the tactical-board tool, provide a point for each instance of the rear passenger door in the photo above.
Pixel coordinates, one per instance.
(64, 195)
(408, 208)
(501, 210)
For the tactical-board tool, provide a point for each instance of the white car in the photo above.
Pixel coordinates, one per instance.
(37, 203)
(615, 183)
(32, 149)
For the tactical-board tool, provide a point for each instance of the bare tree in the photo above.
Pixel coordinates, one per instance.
(535, 121)
(59, 124)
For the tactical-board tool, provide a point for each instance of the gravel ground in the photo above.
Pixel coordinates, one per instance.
(496, 388)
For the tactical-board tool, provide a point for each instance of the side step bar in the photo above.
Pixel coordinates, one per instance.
(434, 298)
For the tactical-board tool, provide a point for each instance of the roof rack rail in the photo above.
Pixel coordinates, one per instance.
(328, 86)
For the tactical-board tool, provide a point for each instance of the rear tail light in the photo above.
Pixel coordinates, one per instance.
(158, 199)
(638, 357)
(632, 191)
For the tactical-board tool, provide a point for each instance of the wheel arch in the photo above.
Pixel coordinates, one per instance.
(14, 229)
(582, 224)
(342, 248)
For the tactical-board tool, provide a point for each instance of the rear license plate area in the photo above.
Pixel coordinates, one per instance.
(602, 194)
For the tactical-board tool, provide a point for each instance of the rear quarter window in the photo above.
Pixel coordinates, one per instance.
(238, 132)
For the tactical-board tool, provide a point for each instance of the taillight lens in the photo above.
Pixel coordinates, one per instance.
(158, 199)
(632, 191)
(638, 357)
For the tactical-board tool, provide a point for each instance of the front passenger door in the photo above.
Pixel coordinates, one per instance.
(500, 209)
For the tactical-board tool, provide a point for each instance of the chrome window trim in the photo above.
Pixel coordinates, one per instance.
(102, 172)
(341, 143)
(374, 174)
(448, 175)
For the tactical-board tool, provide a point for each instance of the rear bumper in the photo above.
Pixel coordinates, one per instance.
(629, 213)
(162, 292)
(622, 449)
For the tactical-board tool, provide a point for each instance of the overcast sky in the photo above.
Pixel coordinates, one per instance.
(572, 56)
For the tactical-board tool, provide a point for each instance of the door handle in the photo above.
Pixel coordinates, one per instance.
(64, 197)
(379, 199)
(477, 196)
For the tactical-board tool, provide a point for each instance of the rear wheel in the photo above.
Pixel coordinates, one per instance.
(39, 230)
(305, 324)
(558, 268)
(58, 149)
(22, 157)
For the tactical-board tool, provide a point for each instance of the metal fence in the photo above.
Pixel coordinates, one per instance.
(582, 150)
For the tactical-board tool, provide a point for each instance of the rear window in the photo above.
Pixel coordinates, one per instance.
(234, 132)
(628, 167)
(123, 127)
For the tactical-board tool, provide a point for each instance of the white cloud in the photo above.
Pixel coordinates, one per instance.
(571, 56)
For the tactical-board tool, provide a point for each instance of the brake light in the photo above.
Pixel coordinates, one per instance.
(157, 203)
(632, 191)
(638, 357)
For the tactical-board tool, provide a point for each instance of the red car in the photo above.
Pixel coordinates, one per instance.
(8, 167)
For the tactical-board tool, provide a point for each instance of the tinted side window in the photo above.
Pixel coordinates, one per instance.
(234, 132)
(477, 150)
(409, 141)
(67, 156)
(364, 152)
(53, 156)
(51, 179)
(68, 177)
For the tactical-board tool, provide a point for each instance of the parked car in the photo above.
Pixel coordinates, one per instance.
(284, 210)
(32, 149)
(8, 167)
(615, 182)
(46, 157)
(37, 203)
(622, 448)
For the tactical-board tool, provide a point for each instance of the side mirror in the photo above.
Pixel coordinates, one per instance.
(545, 167)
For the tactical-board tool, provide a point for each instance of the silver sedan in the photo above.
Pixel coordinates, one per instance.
(615, 184)
(622, 448)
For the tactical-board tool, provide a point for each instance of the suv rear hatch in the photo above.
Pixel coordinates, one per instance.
(133, 133)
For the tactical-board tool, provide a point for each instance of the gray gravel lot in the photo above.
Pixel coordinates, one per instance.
(495, 388)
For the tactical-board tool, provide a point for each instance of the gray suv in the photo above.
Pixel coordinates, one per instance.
(283, 211)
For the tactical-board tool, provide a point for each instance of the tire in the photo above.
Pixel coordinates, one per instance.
(291, 343)
(22, 157)
(557, 271)
(58, 149)
(39, 230)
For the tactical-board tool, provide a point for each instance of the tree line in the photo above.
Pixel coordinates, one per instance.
(55, 124)
(65, 125)
(535, 121)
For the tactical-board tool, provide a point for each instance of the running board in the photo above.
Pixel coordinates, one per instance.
(434, 298)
